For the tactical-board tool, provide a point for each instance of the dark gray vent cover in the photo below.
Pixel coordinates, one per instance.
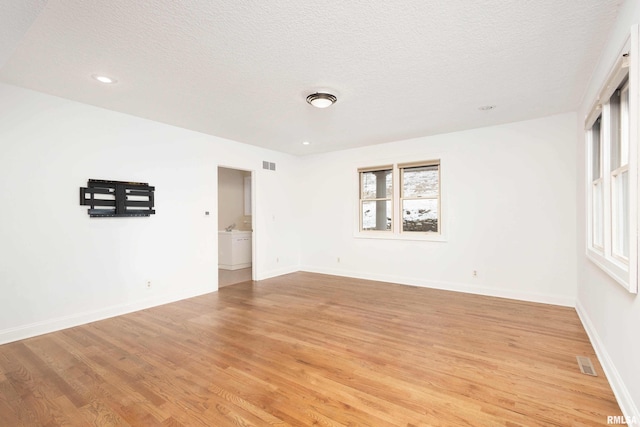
(268, 166)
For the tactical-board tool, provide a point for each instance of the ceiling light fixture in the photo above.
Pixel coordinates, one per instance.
(104, 79)
(305, 143)
(321, 100)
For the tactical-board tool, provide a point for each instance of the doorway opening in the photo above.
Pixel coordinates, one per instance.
(235, 226)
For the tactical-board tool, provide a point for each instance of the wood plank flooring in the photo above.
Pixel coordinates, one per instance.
(307, 349)
(231, 277)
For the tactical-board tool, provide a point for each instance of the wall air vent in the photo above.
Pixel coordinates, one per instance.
(268, 166)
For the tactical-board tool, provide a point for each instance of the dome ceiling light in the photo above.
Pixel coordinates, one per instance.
(321, 100)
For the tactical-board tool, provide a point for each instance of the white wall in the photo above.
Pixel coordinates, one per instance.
(58, 267)
(510, 194)
(610, 314)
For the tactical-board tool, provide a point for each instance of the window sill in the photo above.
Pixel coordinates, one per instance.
(614, 268)
(383, 235)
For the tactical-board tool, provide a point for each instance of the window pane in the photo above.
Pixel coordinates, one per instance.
(624, 126)
(597, 215)
(614, 116)
(595, 150)
(376, 184)
(421, 181)
(376, 214)
(420, 215)
(621, 212)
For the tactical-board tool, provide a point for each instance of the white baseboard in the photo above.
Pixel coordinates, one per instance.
(277, 272)
(57, 324)
(620, 390)
(450, 286)
(234, 266)
(77, 319)
(52, 325)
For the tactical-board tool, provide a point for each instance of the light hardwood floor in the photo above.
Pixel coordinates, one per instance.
(307, 349)
(231, 277)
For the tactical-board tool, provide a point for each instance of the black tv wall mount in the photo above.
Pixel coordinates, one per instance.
(117, 198)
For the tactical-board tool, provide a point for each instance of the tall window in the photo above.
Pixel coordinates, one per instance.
(420, 197)
(376, 199)
(620, 172)
(612, 131)
(597, 207)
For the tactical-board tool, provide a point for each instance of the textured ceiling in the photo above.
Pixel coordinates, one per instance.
(241, 69)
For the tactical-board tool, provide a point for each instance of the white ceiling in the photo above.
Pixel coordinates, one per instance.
(241, 69)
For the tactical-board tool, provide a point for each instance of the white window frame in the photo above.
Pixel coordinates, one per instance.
(623, 117)
(396, 232)
(362, 200)
(623, 269)
(401, 170)
(596, 204)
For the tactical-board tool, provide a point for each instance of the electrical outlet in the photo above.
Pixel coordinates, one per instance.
(148, 283)
(338, 260)
(475, 273)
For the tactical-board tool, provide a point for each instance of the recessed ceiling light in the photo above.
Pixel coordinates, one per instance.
(104, 79)
(486, 107)
(321, 100)
(305, 143)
